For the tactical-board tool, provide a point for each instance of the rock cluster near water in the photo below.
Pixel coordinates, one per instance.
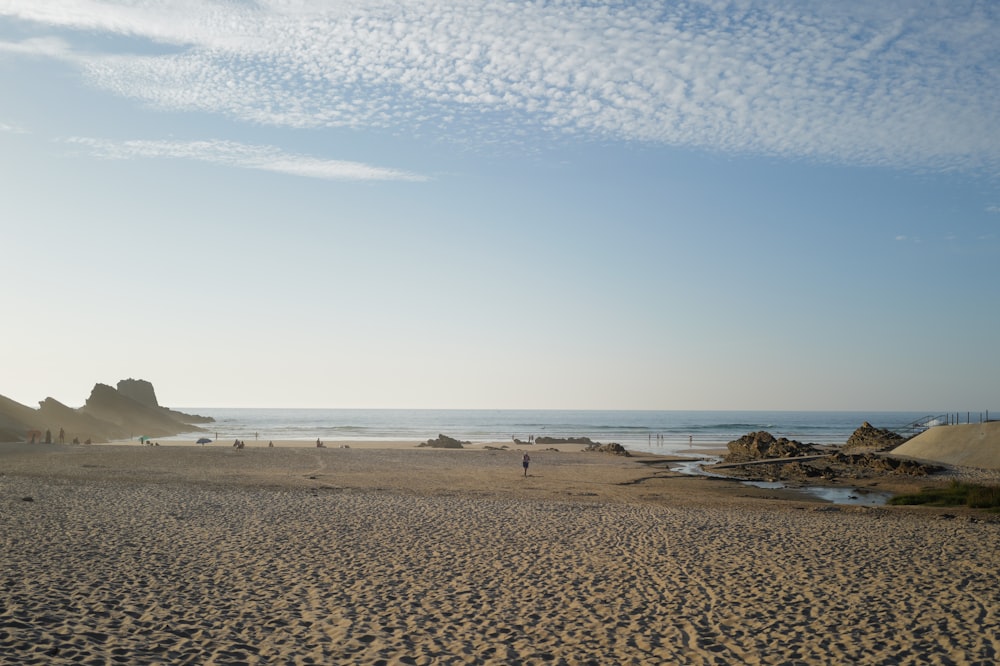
(444, 442)
(613, 448)
(883, 464)
(130, 410)
(838, 465)
(755, 447)
(874, 439)
(762, 444)
(565, 440)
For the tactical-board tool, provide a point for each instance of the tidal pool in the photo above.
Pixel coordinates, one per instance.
(849, 496)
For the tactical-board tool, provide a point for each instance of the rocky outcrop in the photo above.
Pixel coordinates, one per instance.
(761, 445)
(443, 442)
(132, 418)
(143, 393)
(565, 440)
(10, 430)
(139, 390)
(108, 414)
(838, 465)
(78, 424)
(874, 439)
(884, 464)
(16, 419)
(613, 448)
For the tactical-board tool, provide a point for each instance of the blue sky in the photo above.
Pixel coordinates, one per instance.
(701, 205)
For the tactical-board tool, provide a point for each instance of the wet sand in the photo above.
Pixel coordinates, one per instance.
(191, 555)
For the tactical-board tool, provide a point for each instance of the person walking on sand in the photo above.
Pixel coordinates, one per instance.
(524, 463)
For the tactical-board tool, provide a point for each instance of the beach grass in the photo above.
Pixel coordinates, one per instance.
(956, 493)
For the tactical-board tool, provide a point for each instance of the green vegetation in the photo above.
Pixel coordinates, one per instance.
(955, 494)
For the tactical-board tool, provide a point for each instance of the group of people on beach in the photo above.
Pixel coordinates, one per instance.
(35, 437)
(662, 439)
(240, 444)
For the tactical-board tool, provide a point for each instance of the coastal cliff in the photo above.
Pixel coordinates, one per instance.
(130, 410)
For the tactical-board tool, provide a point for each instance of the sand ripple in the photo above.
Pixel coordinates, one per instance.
(106, 573)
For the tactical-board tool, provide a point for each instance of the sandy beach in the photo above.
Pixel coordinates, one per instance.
(292, 555)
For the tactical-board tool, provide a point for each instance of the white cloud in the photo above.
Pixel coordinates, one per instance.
(49, 47)
(12, 129)
(201, 22)
(904, 84)
(993, 209)
(229, 153)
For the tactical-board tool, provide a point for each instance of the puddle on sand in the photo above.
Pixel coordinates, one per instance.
(852, 496)
(847, 496)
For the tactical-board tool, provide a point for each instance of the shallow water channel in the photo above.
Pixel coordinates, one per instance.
(849, 496)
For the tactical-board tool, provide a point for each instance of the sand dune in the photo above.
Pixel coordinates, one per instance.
(973, 445)
(187, 555)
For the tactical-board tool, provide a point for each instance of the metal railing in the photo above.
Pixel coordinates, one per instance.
(952, 418)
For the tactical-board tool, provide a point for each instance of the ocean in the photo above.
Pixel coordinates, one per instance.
(648, 431)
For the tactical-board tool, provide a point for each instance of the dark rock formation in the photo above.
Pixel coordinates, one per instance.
(884, 464)
(443, 442)
(134, 418)
(761, 445)
(10, 431)
(613, 448)
(142, 392)
(108, 414)
(564, 440)
(78, 423)
(139, 390)
(874, 439)
(16, 420)
(838, 465)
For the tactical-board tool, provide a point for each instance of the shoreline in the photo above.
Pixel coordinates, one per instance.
(701, 450)
(173, 459)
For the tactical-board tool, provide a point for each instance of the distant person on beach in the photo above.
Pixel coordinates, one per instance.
(524, 463)
(270, 445)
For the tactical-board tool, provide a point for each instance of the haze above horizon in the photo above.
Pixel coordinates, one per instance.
(555, 205)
